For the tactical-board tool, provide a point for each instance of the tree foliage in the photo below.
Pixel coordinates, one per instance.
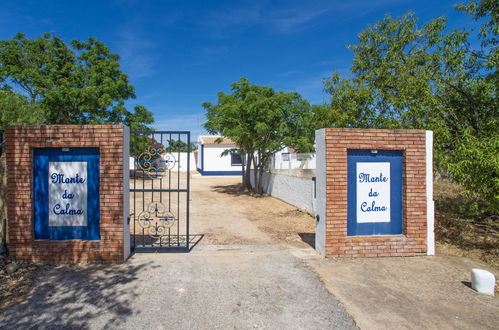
(79, 83)
(410, 76)
(179, 146)
(261, 122)
(15, 110)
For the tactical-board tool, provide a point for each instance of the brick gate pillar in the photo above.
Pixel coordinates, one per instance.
(68, 193)
(374, 192)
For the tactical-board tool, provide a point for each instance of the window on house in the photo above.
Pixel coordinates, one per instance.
(235, 159)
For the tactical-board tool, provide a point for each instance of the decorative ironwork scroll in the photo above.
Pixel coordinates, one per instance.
(156, 161)
(156, 220)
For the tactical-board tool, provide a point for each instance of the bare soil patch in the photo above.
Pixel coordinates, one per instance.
(284, 222)
(15, 287)
(225, 214)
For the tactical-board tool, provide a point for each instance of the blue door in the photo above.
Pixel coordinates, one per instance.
(66, 193)
(374, 192)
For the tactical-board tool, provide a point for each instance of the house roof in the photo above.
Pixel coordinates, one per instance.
(211, 139)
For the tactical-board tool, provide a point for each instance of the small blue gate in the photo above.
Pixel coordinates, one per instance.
(374, 192)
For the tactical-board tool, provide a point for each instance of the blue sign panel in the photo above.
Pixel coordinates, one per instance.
(66, 193)
(374, 192)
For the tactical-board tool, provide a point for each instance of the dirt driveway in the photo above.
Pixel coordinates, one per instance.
(224, 215)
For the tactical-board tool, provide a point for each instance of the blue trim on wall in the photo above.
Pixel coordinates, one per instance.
(220, 172)
(41, 159)
(394, 227)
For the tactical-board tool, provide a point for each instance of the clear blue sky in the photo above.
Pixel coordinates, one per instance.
(179, 54)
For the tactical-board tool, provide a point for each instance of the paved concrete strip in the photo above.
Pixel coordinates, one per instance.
(234, 248)
(229, 287)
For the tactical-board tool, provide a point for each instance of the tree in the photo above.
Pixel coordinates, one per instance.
(261, 122)
(16, 110)
(142, 143)
(179, 146)
(79, 83)
(406, 76)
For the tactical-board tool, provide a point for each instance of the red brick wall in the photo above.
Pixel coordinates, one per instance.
(413, 239)
(19, 144)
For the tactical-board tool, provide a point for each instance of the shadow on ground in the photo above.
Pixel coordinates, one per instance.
(173, 244)
(231, 189)
(72, 296)
(308, 238)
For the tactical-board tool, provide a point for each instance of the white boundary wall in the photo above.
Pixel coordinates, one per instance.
(290, 161)
(291, 189)
(183, 162)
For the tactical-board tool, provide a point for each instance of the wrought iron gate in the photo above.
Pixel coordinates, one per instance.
(159, 190)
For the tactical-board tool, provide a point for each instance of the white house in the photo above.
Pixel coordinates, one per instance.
(210, 161)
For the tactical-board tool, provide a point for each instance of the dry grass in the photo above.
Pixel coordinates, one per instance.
(462, 228)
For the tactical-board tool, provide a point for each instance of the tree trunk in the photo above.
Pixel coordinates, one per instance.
(260, 180)
(257, 182)
(255, 177)
(243, 173)
(247, 174)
